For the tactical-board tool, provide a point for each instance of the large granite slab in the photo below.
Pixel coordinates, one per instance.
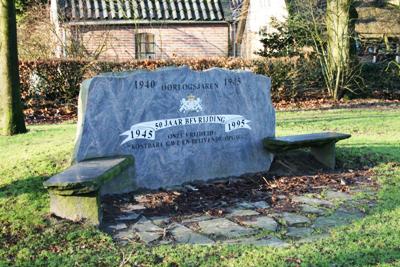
(88, 176)
(180, 125)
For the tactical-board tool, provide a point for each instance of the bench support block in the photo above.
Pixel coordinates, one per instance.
(75, 194)
(76, 208)
(325, 154)
(322, 145)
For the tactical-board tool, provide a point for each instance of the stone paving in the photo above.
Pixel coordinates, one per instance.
(256, 223)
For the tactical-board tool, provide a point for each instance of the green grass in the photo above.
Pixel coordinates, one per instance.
(30, 237)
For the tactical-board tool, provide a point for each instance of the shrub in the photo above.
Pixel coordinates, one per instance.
(53, 86)
(381, 80)
(55, 82)
(51, 81)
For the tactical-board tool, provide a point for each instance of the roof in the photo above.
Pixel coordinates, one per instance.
(114, 11)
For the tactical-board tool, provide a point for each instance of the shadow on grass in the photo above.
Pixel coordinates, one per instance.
(368, 155)
(32, 185)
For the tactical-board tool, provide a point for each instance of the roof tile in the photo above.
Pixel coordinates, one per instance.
(187, 10)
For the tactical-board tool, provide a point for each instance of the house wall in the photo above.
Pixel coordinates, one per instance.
(117, 42)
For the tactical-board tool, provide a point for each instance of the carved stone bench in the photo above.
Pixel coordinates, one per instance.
(322, 145)
(75, 193)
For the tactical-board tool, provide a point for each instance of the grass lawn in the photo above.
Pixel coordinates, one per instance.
(30, 237)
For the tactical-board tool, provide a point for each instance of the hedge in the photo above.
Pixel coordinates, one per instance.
(58, 81)
(54, 85)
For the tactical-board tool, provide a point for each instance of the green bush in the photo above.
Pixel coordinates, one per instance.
(381, 80)
(52, 83)
(47, 85)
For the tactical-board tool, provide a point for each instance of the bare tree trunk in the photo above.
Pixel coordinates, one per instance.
(337, 23)
(11, 116)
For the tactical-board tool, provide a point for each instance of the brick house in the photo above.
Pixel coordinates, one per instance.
(137, 29)
(161, 29)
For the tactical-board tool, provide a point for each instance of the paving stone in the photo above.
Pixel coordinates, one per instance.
(128, 216)
(265, 241)
(147, 231)
(310, 209)
(124, 235)
(326, 222)
(245, 205)
(338, 196)
(223, 227)
(148, 237)
(312, 201)
(264, 222)
(196, 219)
(160, 220)
(336, 219)
(351, 208)
(253, 205)
(184, 235)
(242, 212)
(349, 215)
(261, 205)
(299, 232)
(118, 226)
(293, 219)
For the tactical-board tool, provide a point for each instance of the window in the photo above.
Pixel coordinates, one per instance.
(144, 46)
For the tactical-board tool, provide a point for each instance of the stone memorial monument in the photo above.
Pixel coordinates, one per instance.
(156, 129)
(179, 125)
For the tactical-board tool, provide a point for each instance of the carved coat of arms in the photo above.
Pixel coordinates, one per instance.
(191, 103)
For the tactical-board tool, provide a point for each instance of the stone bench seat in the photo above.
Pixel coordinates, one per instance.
(75, 193)
(322, 145)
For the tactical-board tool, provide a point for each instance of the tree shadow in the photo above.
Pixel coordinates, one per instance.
(369, 155)
(31, 186)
